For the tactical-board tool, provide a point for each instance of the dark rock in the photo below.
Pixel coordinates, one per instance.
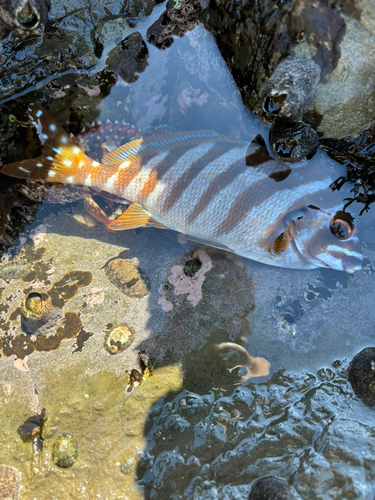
(177, 19)
(129, 57)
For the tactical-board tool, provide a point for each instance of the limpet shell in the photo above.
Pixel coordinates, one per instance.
(65, 451)
(124, 274)
(36, 310)
(119, 338)
(361, 375)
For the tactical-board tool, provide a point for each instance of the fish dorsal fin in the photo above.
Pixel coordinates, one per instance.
(134, 216)
(149, 146)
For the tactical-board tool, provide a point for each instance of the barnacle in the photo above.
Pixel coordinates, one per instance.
(290, 91)
(291, 141)
(272, 488)
(361, 375)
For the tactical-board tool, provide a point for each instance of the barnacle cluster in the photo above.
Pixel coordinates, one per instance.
(286, 97)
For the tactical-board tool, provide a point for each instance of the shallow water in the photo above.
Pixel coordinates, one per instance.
(189, 429)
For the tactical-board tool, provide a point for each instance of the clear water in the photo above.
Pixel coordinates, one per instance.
(188, 431)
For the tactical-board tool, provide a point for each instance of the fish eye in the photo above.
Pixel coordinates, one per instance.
(342, 225)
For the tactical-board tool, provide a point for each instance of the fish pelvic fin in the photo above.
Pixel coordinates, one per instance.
(60, 156)
(149, 146)
(134, 216)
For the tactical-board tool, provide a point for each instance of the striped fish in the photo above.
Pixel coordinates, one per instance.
(222, 192)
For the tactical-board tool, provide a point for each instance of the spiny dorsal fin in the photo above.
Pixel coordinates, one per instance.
(59, 153)
(149, 146)
(134, 216)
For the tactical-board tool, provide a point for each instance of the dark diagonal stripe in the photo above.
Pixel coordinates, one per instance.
(159, 170)
(219, 183)
(265, 189)
(194, 170)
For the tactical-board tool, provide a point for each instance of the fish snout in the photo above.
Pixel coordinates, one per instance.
(351, 264)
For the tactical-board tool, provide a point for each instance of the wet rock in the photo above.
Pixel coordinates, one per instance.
(125, 275)
(290, 91)
(178, 18)
(254, 37)
(25, 17)
(361, 375)
(71, 24)
(291, 141)
(129, 58)
(272, 488)
(10, 482)
(32, 427)
(65, 451)
(346, 101)
(258, 429)
(119, 338)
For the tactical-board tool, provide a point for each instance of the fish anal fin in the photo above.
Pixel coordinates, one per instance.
(134, 216)
(95, 211)
(153, 145)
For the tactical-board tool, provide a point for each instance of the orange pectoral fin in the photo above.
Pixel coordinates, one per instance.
(281, 243)
(134, 216)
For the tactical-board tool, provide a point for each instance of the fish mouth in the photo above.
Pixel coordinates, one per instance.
(351, 264)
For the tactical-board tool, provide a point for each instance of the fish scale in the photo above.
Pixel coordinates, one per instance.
(223, 192)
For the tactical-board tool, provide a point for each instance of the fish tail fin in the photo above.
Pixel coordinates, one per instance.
(60, 158)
